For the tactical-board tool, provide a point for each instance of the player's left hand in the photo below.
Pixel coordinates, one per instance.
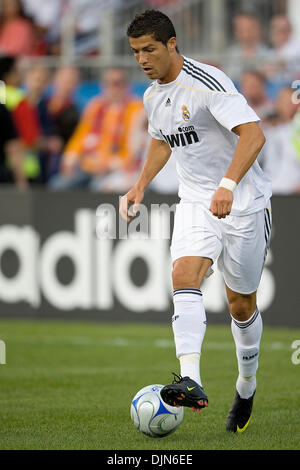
(221, 203)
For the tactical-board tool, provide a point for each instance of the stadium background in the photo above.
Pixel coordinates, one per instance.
(54, 268)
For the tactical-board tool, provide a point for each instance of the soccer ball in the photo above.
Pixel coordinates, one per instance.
(151, 415)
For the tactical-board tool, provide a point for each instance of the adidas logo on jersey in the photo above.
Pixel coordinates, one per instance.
(168, 102)
(186, 136)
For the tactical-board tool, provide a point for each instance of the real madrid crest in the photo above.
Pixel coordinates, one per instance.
(185, 113)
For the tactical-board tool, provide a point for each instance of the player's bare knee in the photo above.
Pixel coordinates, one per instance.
(183, 276)
(241, 308)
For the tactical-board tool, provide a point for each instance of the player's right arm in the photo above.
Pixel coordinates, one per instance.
(158, 154)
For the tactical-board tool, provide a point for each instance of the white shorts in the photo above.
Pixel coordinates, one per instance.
(238, 243)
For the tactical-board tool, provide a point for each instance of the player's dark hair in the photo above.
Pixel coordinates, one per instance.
(154, 23)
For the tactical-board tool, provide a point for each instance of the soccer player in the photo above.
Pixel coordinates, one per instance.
(197, 116)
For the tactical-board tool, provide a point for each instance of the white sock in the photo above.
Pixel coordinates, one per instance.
(189, 326)
(247, 337)
(190, 366)
(246, 386)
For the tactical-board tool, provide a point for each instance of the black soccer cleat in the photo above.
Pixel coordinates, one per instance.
(184, 392)
(239, 416)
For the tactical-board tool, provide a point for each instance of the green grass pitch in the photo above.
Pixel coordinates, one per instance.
(68, 385)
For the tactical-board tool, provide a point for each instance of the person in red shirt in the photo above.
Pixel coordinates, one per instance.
(17, 33)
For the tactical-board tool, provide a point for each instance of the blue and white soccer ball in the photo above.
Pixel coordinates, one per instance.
(151, 415)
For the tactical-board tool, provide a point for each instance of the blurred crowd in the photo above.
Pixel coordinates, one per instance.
(35, 27)
(48, 139)
(268, 73)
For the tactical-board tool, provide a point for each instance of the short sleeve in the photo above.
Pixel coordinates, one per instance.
(151, 129)
(153, 132)
(230, 109)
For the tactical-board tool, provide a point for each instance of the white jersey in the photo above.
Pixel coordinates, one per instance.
(195, 115)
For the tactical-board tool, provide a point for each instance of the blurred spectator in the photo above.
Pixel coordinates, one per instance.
(285, 106)
(249, 50)
(285, 45)
(88, 20)
(36, 81)
(253, 87)
(24, 114)
(17, 34)
(87, 15)
(49, 145)
(284, 57)
(103, 152)
(46, 16)
(11, 152)
(62, 110)
(280, 158)
(61, 104)
(82, 17)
